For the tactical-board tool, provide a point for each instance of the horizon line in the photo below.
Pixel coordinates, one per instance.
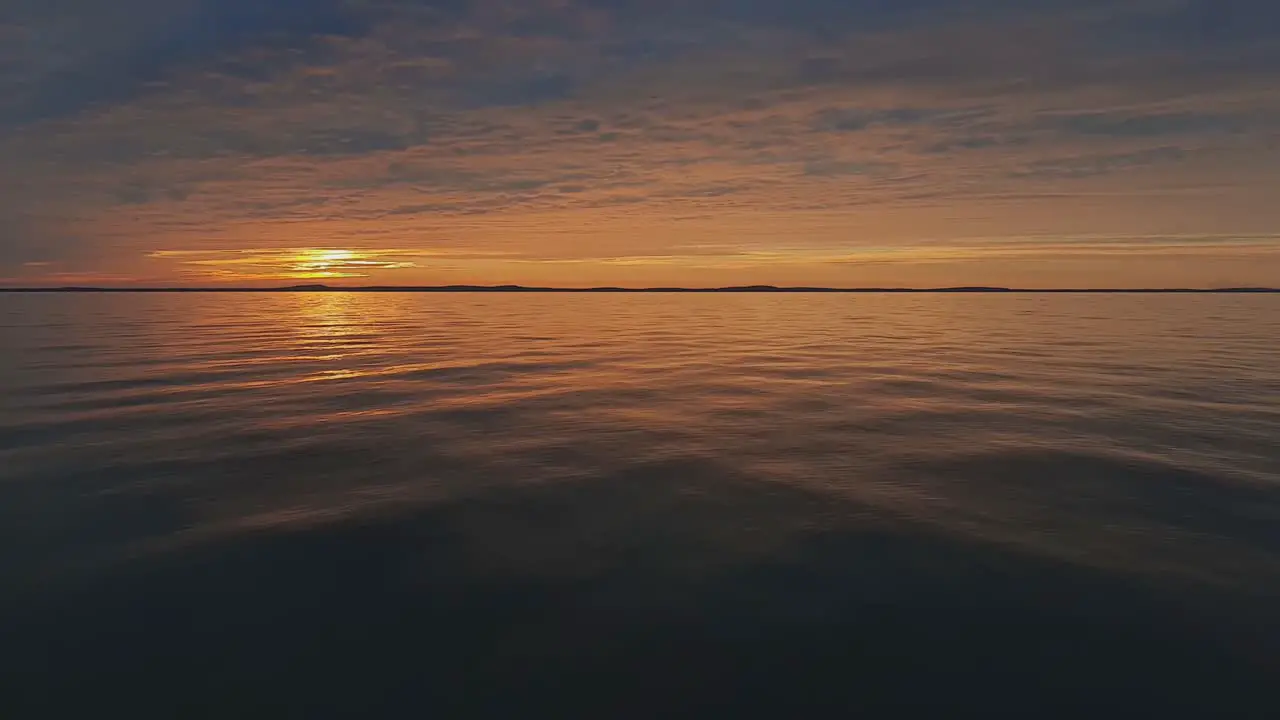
(617, 289)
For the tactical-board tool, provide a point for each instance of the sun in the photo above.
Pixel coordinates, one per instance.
(321, 260)
(321, 263)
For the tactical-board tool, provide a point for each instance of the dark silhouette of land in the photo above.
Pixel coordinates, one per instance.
(729, 289)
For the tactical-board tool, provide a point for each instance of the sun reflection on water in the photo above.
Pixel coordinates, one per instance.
(329, 323)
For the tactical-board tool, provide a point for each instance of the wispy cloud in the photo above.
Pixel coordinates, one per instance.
(313, 263)
(424, 135)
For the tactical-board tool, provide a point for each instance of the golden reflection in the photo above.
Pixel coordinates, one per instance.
(332, 329)
(327, 315)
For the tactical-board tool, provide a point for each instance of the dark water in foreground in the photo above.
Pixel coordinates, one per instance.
(315, 505)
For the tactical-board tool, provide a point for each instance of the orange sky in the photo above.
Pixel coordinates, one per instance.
(413, 148)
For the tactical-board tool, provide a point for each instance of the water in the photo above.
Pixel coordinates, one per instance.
(328, 504)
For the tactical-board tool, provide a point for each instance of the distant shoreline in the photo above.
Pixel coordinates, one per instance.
(527, 289)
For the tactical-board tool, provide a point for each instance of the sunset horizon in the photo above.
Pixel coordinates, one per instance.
(639, 359)
(511, 287)
(588, 142)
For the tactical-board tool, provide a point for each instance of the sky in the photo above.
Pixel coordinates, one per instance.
(915, 143)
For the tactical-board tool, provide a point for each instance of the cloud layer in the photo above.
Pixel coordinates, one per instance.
(618, 142)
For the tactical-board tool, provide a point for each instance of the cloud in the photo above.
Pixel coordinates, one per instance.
(1146, 125)
(82, 53)
(560, 127)
(535, 89)
(856, 119)
(288, 263)
(1099, 164)
(839, 168)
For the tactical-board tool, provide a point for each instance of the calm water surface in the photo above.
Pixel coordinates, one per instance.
(461, 505)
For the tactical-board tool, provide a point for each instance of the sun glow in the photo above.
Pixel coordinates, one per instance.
(290, 263)
(326, 264)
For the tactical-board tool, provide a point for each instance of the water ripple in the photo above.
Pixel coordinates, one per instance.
(736, 476)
